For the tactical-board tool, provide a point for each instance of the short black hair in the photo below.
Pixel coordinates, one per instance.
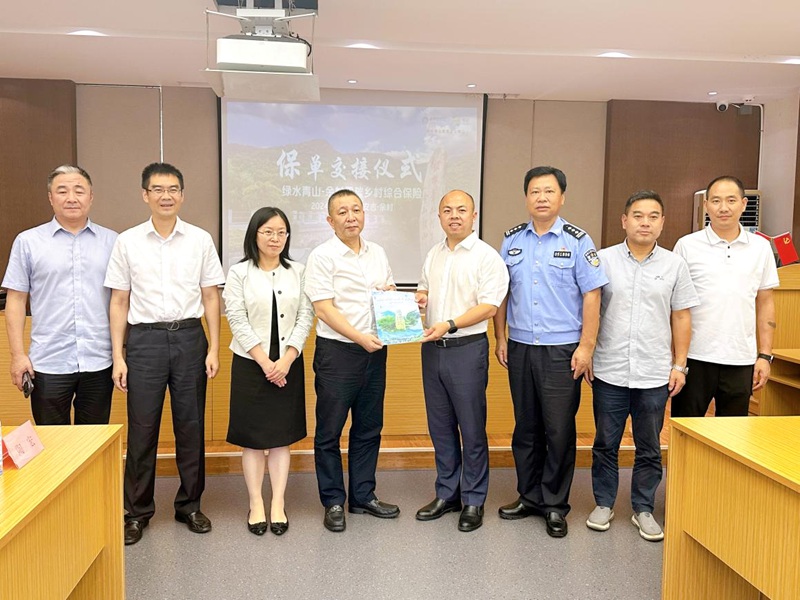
(261, 216)
(731, 178)
(160, 168)
(340, 194)
(643, 195)
(541, 172)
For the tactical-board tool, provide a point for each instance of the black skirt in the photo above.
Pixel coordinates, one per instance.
(263, 415)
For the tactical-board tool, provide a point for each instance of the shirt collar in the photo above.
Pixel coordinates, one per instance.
(714, 239)
(556, 228)
(627, 251)
(343, 248)
(180, 227)
(467, 243)
(55, 226)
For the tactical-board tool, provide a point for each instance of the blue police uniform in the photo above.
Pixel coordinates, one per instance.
(549, 274)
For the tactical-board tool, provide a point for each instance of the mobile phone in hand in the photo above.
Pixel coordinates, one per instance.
(27, 384)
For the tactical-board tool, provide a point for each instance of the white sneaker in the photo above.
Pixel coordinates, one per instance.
(600, 519)
(648, 528)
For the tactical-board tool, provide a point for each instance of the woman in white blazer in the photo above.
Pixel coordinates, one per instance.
(270, 318)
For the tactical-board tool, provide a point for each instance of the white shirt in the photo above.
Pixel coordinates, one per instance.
(456, 280)
(248, 305)
(727, 276)
(333, 271)
(634, 344)
(164, 276)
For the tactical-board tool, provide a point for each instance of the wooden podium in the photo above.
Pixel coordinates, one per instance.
(61, 523)
(733, 509)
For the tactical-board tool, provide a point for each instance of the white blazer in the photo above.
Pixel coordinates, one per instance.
(248, 305)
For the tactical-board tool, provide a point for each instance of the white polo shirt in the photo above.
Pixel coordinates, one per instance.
(727, 277)
(164, 276)
(456, 280)
(335, 272)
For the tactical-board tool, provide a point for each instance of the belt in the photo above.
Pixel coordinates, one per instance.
(171, 325)
(459, 341)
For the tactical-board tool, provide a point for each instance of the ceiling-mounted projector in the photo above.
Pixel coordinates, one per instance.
(267, 61)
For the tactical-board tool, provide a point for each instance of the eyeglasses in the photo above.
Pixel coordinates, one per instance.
(268, 233)
(159, 191)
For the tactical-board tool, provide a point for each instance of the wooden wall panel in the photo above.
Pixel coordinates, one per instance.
(674, 148)
(796, 214)
(37, 130)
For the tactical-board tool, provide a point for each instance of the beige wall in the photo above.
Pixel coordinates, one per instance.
(119, 133)
(521, 134)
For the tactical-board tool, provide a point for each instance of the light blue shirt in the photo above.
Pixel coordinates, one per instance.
(549, 276)
(634, 344)
(63, 275)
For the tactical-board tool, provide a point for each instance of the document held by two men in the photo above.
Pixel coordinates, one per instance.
(397, 317)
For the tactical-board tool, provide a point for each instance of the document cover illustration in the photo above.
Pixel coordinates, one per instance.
(397, 317)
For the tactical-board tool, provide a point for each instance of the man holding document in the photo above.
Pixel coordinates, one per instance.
(349, 361)
(463, 282)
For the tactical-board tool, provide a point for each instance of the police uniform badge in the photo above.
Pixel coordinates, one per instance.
(592, 258)
(514, 251)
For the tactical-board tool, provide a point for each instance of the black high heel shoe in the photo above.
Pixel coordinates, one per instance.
(280, 527)
(256, 528)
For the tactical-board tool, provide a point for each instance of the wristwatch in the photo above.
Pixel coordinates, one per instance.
(766, 357)
(453, 327)
(679, 369)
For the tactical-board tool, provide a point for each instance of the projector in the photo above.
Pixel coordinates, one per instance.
(272, 54)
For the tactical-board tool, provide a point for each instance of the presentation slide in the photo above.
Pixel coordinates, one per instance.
(399, 152)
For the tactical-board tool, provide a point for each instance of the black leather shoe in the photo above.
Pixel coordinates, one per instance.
(280, 527)
(334, 518)
(376, 508)
(197, 522)
(556, 525)
(471, 518)
(133, 530)
(259, 528)
(518, 510)
(437, 508)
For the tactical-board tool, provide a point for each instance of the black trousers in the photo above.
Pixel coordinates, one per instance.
(157, 359)
(730, 386)
(455, 379)
(546, 400)
(348, 380)
(54, 395)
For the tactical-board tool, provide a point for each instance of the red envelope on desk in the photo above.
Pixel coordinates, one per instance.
(22, 445)
(785, 248)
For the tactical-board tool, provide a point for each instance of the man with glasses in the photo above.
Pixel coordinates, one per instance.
(164, 275)
(734, 272)
(61, 266)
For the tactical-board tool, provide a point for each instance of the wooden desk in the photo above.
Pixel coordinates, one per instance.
(733, 509)
(61, 523)
(781, 395)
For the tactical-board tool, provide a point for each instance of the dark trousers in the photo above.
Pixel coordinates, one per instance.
(54, 395)
(612, 405)
(348, 379)
(730, 386)
(158, 359)
(546, 400)
(454, 380)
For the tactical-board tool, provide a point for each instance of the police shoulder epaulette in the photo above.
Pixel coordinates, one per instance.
(575, 232)
(515, 229)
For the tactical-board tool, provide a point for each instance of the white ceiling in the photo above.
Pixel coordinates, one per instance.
(544, 50)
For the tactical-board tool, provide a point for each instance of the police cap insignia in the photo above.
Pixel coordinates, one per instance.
(575, 232)
(592, 258)
(515, 229)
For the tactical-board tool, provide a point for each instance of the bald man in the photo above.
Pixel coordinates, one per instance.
(463, 282)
